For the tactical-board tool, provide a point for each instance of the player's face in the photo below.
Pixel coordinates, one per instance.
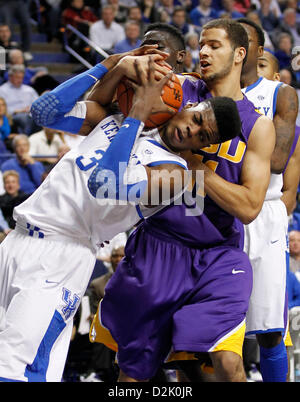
(254, 50)
(216, 54)
(265, 67)
(165, 44)
(191, 130)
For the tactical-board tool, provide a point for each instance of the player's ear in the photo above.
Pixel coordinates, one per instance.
(260, 51)
(181, 56)
(276, 76)
(240, 54)
(189, 105)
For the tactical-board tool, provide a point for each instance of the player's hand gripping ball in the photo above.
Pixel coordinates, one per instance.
(171, 97)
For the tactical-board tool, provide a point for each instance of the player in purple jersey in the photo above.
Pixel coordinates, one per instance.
(184, 282)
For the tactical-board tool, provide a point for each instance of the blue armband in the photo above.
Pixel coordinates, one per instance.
(49, 109)
(109, 178)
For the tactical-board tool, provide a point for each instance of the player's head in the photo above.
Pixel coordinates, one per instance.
(223, 49)
(170, 40)
(212, 121)
(268, 66)
(116, 256)
(256, 39)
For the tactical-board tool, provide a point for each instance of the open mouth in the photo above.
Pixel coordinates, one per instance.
(204, 64)
(178, 134)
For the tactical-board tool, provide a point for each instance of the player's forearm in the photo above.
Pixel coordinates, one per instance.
(289, 199)
(49, 110)
(237, 200)
(103, 91)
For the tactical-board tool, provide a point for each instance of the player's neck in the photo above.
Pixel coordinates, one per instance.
(249, 78)
(226, 87)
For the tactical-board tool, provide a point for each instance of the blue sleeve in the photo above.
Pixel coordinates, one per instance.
(49, 109)
(295, 288)
(110, 172)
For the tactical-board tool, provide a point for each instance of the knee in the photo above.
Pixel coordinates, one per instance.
(269, 340)
(228, 366)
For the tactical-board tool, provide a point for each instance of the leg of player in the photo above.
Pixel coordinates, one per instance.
(228, 366)
(273, 357)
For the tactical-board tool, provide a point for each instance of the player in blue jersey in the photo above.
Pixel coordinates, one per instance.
(266, 237)
(184, 282)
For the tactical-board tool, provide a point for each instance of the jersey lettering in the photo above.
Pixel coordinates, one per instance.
(222, 151)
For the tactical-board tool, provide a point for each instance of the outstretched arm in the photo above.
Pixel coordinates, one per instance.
(61, 109)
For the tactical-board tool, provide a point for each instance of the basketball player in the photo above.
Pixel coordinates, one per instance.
(266, 236)
(47, 261)
(268, 67)
(184, 281)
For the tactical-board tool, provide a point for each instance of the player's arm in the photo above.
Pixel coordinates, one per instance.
(243, 200)
(284, 122)
(114, 177)
(61, 109)
(291, 179)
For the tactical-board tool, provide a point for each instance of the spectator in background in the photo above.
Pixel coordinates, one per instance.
(16, 57)
(79, 16)
(294, 240)
(29, 170)
(180, 22)
(284, 50)
(149, 11)
(19, 10)
(229, 11)
(290, 25)
(203, 13)
(165, 9)
(267, 15)
(12, 197)
(4, 122)
(120, 11)
(5, 39)
(132, 39)
(253, 16)
(192, 45)
(106, 32)
(19, 98)
(135, 14)
(293, 290)
(47, 143)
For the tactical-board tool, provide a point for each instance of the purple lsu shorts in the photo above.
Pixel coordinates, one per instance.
(165, 294)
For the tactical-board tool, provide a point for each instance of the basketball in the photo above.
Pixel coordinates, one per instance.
(171, 97)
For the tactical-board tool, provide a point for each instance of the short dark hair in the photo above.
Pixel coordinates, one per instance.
(259, 31)
(227, 117)
(236, 33)
(171, 30)
(274, 60)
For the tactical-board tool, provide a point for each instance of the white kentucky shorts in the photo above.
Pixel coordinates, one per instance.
(267, 247)
(42, 282)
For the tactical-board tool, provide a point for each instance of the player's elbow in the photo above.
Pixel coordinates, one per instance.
(250, 212)
(44, 110)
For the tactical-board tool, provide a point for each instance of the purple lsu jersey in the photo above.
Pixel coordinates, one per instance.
(214, 226)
